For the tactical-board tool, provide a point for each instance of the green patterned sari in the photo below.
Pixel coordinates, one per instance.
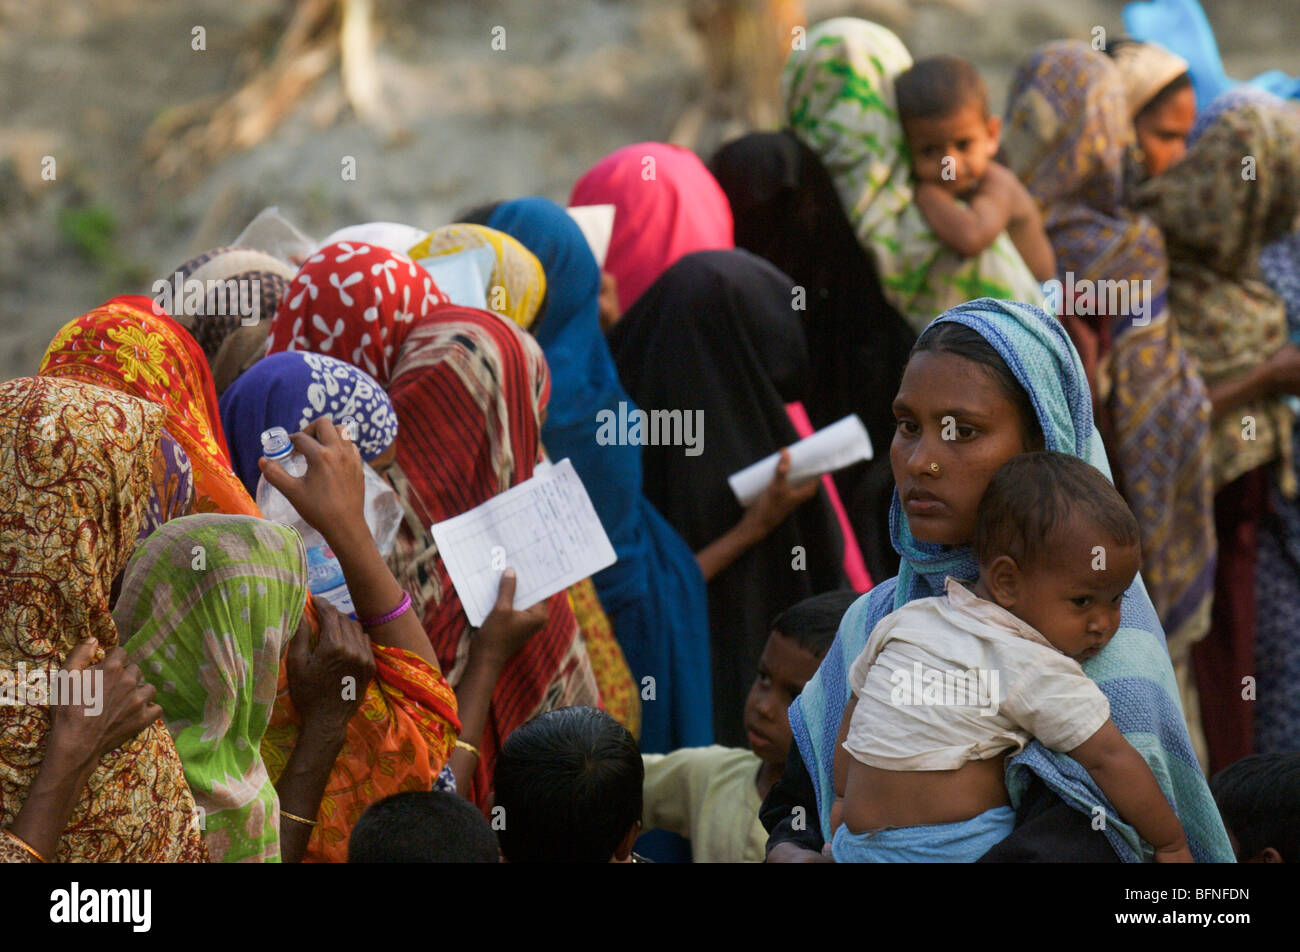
(839, 99)
(210, 603)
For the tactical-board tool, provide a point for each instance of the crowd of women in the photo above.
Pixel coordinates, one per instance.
(777, 288)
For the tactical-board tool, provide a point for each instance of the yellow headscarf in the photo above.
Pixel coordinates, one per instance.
(518, 284)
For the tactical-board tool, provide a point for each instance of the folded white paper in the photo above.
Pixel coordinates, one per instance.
(597, 224)
(545, 529)
(841, 444)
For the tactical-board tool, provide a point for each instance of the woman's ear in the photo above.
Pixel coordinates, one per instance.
(1267, 855)
(1004, 581)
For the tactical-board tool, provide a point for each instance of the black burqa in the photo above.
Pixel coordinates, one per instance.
(716, 333)
(786, 210)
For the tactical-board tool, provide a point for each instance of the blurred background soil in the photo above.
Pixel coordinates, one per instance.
(451, 121)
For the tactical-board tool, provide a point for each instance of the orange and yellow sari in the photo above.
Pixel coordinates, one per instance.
(125, 345)
(398, 740)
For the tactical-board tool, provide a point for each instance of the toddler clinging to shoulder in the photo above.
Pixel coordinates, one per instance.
(947, 687)
(966, 197)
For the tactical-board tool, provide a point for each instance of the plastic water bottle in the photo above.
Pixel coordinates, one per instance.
(383, 509)
(324, 574)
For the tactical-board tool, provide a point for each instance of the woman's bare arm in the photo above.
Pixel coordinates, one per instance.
(331, 497)
(76, 741)
(764, 514)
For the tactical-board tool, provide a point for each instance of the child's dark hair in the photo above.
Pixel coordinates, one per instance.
(1259, 798)
(1031, 499)
(422, 827)
(1177, 84)
(939, 86)
(570, 783)
(952, 337)
(476, 214)
(813, 622)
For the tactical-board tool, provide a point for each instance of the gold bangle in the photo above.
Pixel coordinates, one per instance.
(25, 845)
(289, 816)
(470, 747)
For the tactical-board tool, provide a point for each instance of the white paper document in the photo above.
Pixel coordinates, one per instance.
(545, 529)
(841, 444)
(597, 224)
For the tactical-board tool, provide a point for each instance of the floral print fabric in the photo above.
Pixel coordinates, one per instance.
(356, 302)
(124, 345)
(75, 470)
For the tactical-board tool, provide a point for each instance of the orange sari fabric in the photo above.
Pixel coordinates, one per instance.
(125, 346)
(398, 740)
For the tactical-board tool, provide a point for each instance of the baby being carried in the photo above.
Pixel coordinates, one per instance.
(967, 198)
(948, 687)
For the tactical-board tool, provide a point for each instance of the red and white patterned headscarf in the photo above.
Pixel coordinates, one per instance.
(355, 302)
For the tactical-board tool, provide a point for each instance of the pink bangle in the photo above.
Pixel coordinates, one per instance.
(402, 607)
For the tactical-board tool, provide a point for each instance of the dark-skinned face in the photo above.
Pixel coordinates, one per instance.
(949, 411)
(953, 151)
(384, 459)
(783, 670)
(1162, 133)
(1070, 597)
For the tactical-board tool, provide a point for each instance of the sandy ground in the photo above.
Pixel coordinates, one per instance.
(81, 80)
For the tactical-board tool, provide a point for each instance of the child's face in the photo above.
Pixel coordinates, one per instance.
(1074, 597)
(953, 151)
(783, 670)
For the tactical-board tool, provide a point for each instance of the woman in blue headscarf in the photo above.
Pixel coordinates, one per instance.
(294, 387)
(1012, 370)
(654, 593)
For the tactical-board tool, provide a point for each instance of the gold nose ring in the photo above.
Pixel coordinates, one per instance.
(934, 468)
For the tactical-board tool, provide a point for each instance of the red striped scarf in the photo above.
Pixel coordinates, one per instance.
(469, 388)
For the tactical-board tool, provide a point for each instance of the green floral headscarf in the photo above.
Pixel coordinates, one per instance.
(839, 99)
(210, 603)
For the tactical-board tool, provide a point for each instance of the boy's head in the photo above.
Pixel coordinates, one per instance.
(1259, 799)
(944, 107)
(570, 785)
(1057, 547)
(799, 639)
(422, 827)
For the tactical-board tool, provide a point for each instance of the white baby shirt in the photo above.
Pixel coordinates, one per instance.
(943, 681)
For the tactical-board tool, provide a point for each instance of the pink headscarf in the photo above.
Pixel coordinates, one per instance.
(667, 204)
